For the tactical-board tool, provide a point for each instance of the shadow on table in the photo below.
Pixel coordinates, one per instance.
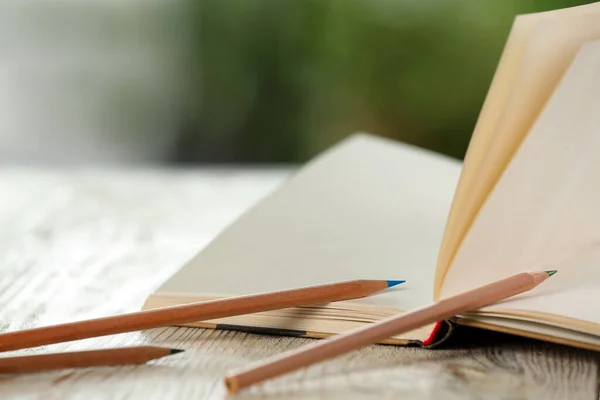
(469, 338)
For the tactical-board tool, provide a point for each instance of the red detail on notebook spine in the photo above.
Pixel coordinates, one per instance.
(433, 334)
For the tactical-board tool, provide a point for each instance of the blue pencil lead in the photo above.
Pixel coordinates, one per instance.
(394, 283)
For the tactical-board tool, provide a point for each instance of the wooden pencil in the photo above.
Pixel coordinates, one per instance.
(83, 359)
(192, 312)
(328, 348)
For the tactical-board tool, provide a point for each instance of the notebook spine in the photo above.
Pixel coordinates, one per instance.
(439, 334)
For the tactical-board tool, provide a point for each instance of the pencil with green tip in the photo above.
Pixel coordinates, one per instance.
(193, 312)
(361, 337)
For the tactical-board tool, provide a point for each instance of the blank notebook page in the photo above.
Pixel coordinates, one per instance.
(369, 208)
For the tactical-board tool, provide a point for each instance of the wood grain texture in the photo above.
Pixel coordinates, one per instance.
(86, 244)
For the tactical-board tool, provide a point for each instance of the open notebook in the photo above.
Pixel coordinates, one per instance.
(526, 198)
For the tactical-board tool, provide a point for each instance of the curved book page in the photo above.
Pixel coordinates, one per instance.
(544, 213)
(539, 50)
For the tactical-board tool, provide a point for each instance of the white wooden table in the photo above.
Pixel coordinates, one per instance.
(80, 244)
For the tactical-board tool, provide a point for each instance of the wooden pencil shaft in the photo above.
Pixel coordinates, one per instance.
(361, 337)
(82, 359)
(189, 313)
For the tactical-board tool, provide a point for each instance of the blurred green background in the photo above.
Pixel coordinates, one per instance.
(280, 81)
(242, 81)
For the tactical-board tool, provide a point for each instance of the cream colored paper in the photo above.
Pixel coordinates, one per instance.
(539, 50)
(369, 208)
(545, 211)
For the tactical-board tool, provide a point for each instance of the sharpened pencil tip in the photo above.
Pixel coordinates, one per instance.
(552, 272)
(175, 351)
(394, 283)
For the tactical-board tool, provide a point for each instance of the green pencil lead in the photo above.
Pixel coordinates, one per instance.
(551, 272)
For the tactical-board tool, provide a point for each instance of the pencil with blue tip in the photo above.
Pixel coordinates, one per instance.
(193, 312)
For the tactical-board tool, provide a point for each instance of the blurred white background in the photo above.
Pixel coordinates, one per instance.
(102, 76)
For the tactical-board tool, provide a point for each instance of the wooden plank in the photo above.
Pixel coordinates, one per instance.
(81, 244)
